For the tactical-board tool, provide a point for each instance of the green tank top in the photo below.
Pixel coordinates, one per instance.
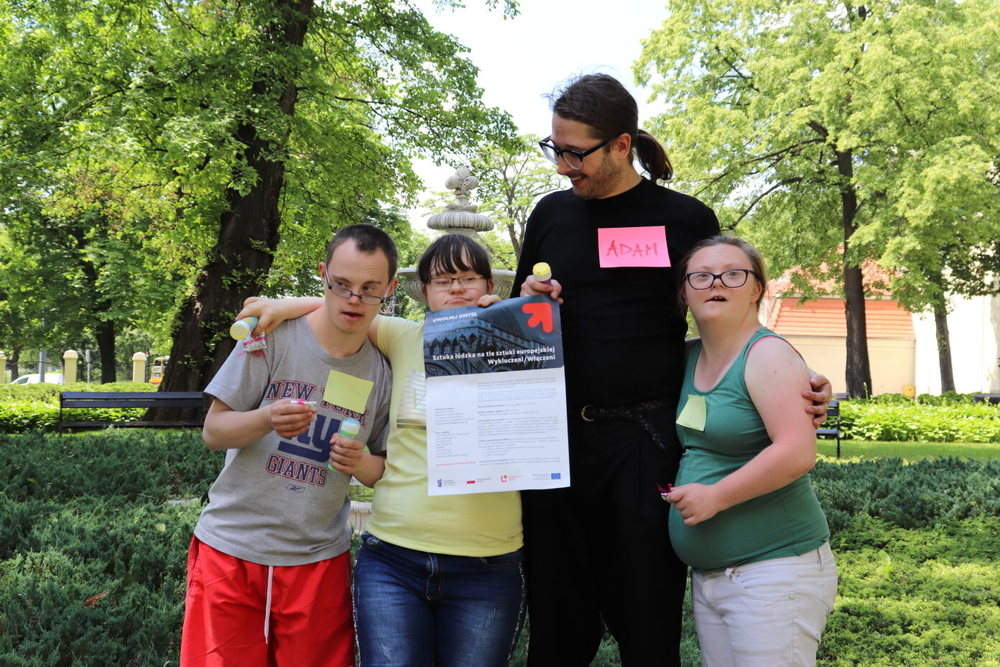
(720, 430)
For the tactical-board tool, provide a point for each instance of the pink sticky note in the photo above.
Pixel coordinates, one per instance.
(632, 246)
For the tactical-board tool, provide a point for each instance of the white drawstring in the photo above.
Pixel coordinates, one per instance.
(267, 611)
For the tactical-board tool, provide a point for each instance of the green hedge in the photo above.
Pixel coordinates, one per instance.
(35, 407)
(917, 422)
(95, 527)
(94, 582)
(49, 393)
(885, 418)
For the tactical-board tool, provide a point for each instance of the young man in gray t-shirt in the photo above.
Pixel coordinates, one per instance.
(269, 567)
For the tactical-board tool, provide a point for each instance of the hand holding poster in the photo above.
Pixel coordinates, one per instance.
(496, 398)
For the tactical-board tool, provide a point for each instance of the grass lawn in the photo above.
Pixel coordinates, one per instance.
(909, 451)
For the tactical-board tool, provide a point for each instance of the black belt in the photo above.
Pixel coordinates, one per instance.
(633, 412)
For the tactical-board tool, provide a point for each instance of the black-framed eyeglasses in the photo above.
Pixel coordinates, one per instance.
(732, 278)
(442, 283)
(344, 293)
(573, 159)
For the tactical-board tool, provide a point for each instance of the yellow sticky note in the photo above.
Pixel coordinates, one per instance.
(347, 391)
(693, 414)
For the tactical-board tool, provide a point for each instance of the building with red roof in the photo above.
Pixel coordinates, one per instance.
(902, 346)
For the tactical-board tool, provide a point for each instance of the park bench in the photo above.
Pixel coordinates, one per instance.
(986, 398)
(831, 427)
(175, 400)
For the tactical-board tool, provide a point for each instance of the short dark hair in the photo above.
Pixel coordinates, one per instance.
(453, 253)
(368, 239)
(756, 263)
(603, 103)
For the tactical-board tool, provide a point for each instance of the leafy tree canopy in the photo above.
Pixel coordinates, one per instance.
(767, 99)
(830, 133)
(168, 146)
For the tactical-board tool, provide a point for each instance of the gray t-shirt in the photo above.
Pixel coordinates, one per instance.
(276, 502)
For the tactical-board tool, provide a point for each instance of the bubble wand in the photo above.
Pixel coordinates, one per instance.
(242, 330)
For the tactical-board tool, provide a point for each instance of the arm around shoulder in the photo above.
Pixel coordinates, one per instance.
(776, 376)
(272, 312)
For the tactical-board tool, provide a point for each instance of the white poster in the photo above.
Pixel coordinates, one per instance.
(496, 398)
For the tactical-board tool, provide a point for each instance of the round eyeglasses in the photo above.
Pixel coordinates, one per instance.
(732, 278)
(344, 293)
(573, 159)
(442, 283)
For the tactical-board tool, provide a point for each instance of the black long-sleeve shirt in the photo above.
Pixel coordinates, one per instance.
(623, 329)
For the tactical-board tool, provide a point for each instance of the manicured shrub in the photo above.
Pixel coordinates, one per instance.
(887, 417)
(891, 399)
(49, 393)
(94, 531)
(19, 416)
(124, 463)
(917, 495)
(916, 597)
(94, 584)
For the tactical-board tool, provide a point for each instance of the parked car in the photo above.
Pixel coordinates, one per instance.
(51, 378)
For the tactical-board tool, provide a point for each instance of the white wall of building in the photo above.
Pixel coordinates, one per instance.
(891, 361)
(974, 330)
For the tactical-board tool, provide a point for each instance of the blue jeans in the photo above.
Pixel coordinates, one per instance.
(418, 609)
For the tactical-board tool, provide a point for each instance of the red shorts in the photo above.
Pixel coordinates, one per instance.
(229, 623)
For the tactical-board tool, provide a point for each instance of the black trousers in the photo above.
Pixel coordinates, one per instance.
(599, 553)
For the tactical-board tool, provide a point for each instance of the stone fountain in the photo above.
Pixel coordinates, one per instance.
(460, 217)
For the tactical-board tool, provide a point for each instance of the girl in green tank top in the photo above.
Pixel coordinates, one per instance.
(744, 514)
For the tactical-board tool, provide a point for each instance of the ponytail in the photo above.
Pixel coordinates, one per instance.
(653, 157)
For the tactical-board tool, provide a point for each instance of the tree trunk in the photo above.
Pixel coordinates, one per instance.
(105, 333)
(858, 367)
(515, 240)
(105, 336)
(859, 374)
(248, 233)
(944, 349)
(12, 363)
